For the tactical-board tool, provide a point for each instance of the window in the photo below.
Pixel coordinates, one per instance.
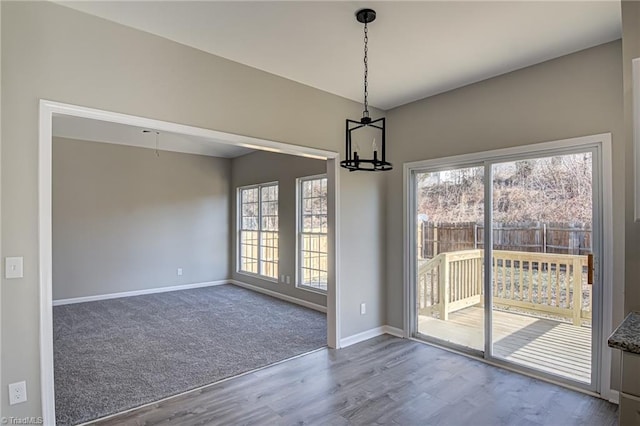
(258, 234)
(312, 233)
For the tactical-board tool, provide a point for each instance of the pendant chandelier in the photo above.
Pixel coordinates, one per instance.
(365, 128)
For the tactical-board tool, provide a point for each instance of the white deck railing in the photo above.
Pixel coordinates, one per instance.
(538, 282)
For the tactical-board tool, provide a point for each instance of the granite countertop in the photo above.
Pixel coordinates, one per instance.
(627, 335)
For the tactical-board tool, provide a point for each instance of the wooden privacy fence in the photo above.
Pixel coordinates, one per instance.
(564, 238)
(555, 284)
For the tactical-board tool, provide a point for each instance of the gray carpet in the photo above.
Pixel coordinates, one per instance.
(117, 354)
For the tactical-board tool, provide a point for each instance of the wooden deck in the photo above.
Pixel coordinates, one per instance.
(546, 345)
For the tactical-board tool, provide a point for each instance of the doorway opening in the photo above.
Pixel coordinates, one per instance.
(49, 110)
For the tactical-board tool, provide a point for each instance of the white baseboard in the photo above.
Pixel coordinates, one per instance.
(136, 292)
(369, 334)
(281, 296)
(394, 331)
(361, 337)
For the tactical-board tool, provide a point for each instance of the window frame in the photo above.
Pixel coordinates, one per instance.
(300, 233)
(260, 230)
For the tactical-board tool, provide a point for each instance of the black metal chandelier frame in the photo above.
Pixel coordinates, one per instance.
(354, 160)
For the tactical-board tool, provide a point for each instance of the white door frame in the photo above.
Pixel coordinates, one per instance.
(602, 142)
(49, 109)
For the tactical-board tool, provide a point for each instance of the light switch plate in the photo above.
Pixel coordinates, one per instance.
(13, 267)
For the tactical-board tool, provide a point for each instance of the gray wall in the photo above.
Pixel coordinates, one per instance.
(631, 50)
(52, 52)
(575, 95)
(262, 167)
(125, 219)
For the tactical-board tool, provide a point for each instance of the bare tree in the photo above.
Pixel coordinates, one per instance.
(553, 189)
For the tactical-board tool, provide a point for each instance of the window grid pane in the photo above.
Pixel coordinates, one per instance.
(249, 251)
(269, 254)
(313, 233)
(258, 232)
(313, 268)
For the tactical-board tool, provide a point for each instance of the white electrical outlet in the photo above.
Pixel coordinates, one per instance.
(179, 272)
(17, 392)
(288, 279)
(363, 308)
(282, 278)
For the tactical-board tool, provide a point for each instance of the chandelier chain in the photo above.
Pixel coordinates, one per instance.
(365, 113)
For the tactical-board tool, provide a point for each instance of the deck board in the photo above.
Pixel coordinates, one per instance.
(553, 347)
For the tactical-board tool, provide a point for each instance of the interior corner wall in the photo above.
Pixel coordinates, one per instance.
(55, 53)
(125, 219)
(575, 95)
(630, 50)
(263, 167)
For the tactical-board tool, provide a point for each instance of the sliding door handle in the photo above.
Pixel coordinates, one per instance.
(590, 269)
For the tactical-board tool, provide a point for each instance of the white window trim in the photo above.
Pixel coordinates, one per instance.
(239, 229)
(298, 273)
(635, 64)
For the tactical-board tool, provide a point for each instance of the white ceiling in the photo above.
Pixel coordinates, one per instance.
(120, 134)
(417, 48)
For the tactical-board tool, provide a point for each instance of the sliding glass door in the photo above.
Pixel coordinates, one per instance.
(449, 213)
(502, 259)
(542, 220)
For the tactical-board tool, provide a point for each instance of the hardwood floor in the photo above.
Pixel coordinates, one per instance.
(385, 381)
